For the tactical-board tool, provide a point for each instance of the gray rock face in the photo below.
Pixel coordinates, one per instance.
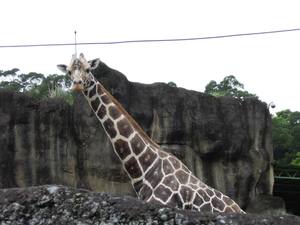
(226, 142)
(61, 205)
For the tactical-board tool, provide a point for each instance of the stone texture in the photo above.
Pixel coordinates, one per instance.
(61, 205)
(267, 204)
(225, 141)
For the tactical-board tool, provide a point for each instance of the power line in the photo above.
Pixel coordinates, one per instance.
(152, 40)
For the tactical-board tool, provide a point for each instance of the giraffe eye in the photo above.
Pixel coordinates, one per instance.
(88, 70)
(69, 72)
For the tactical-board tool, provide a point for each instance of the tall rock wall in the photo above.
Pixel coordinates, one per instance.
(225, 141)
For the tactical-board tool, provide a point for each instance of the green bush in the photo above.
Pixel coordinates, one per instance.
(286, 137)
(229, 86)
(296, 160)
(37, 85)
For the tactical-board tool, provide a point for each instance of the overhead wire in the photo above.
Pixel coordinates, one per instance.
(151, 40)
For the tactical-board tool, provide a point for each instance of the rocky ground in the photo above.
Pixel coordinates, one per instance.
(62, 205)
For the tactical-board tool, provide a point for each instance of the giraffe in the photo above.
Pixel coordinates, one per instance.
(156, 176)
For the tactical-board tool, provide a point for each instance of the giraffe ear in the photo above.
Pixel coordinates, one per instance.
(62, 68)
(94, 63)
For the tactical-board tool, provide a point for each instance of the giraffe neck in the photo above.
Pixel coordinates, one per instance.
(134, 148)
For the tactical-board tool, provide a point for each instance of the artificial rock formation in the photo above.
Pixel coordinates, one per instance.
(61, 205)
(225, 141)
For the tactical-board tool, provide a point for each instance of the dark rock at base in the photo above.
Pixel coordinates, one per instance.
(52, 204)
(267, 204)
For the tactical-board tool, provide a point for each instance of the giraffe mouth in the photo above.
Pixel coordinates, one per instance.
(77, 87)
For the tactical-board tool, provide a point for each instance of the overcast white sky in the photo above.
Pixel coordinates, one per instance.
(268, 65)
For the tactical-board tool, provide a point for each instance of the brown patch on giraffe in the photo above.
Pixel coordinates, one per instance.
(101, 112)
(218, 194)
(227, 200)
(228, 210)
(114, 112)
(206, 208)
(138, 185)
(162, 154)
(93, 91)
(198, 200)
(99, 89)
(132, 167)
(175, 162)
(110, 128)
(145, 192)
(185, 169)
(162, 193)
(204, 195)
(171, 182)
(209, 192)
(194, 187)
(155, 175)
(137, 144)
(217, 203)
(154, 201)
(193, 180)
(92, 83)
(147, 158)
(167, 168)
(186, 193)
(122, 148)
(95, 104)
(182, 176)
(236, 208)
(175, 201)
(215, 210)
(125, 128)
(105, 99)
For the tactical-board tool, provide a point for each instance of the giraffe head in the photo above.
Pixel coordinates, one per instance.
(79, 71)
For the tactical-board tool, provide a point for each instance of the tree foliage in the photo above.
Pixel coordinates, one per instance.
(36, 84)
(296, 160)
(286, 137)
(229, 86)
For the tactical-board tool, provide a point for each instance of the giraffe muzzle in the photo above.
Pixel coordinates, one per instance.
(77, 87)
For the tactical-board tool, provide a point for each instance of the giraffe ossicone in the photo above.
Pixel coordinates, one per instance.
(156, 176)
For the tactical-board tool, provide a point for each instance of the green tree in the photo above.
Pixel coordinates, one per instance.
(282, 135)
(10, 80)
(296, 160)
(229, 86)
(36, 84)
(286, 137)
(49, 84)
